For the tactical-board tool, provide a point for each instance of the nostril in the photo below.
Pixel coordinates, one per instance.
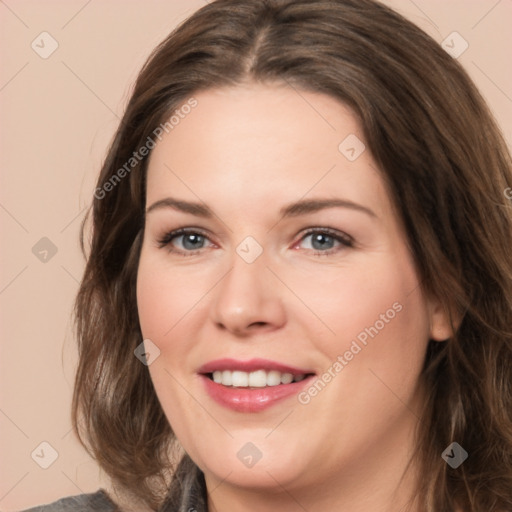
(258, 324)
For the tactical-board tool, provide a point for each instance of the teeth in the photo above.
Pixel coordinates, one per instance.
(286, 378)
(239, 379)
(257, 379)
(226, 378)
(273, 378)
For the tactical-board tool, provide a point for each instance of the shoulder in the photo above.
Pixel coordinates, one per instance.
(95, 502)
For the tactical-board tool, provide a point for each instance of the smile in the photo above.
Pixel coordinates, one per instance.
(252, 386)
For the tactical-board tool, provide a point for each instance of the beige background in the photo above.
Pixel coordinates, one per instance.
(57, 117)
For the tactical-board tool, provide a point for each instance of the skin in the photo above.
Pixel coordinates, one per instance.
(246, 152)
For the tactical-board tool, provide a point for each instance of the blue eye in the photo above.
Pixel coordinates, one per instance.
(326, 241)
(189, 241)
(192, 241)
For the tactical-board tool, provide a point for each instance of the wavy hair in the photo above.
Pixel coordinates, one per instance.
(447, 168)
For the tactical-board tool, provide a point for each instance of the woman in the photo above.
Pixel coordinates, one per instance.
(298, 294)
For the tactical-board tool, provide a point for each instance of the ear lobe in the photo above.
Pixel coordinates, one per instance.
(443, 322)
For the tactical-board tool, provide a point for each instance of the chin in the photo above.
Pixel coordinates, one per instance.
(257, 466)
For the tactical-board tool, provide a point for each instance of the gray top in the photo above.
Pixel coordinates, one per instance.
(95, 502)
(186, 494)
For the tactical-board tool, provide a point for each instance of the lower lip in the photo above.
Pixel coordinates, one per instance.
(252, 399)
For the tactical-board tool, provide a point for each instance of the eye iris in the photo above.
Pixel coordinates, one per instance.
(323, 241)
(192, 241)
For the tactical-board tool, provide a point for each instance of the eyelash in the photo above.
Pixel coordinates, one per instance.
(345, 240)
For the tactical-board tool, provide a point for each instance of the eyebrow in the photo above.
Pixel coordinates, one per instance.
(302, 207)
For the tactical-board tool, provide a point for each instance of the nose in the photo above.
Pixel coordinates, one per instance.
(248, 299)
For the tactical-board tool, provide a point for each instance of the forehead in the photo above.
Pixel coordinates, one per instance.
(269, 142)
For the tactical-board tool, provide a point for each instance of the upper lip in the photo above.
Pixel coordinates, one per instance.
(250, 365)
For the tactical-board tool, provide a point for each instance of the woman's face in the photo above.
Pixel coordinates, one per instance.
(294, 265)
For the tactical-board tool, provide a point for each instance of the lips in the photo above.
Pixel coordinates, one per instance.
(252, 386)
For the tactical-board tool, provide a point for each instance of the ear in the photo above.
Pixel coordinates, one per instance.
(443, 322)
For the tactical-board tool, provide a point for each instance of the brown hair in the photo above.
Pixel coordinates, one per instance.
(447, 167)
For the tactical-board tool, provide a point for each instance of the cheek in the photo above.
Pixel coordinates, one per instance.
(381, 324)
(166, 302)
(363, 302)
(166, 296)
(378, 323)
